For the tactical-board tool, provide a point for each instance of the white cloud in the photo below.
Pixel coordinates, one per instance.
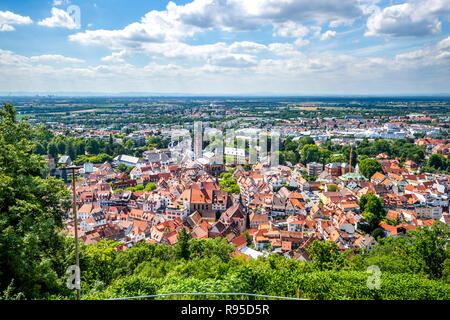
(416, 18)
(247, 46)
(301, 42)
(251, 14)
(284, 49)
(290, 29)
(115, 57)
(438, 54)
(329, 34)
(225, 72)
(179, 22)
(341, 22)
(60, 18)
(8, 18)
(46, 58)
(233, 61)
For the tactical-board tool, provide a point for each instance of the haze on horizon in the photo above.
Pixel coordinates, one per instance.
(226, 47)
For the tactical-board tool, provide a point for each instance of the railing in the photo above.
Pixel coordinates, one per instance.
(206, 294)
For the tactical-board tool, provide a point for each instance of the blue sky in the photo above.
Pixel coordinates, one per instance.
(225, 46)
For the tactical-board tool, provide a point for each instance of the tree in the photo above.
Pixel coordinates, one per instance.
(31, 211)
(122, 167)
(61, 146)
(182, 246)
(39, 149)
(378, 233)
(79, 146)
(369, 167)
(437, 162)
(291, 157)
(129, 145)
(92, 146)
(332, 188)
(325, 255)
(304, 141)
(102, 257)
(324, 156)
(309, 153)
(150, 186)
(52, 150)
(430, 247)
(372, 209)
(70, 150)
(248, 238)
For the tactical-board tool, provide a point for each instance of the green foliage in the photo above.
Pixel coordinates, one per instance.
(325, 255)
(100, 158)
(102, 257)
(229, 184)
(372, 209)
(182, 246)
(437, 162)
(309, 153)
(248, 238)
(31, 209)
(398, 148)
(52, 150)
(332, 188)
(422, 252)
(369, 167)
(430, 248)
(131, 286)
(122, 167)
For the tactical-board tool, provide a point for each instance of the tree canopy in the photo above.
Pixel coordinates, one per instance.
(31, 211)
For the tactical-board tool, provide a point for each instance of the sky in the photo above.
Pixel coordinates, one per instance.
(226, 47)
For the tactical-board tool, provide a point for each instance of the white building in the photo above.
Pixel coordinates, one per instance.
(129, 161)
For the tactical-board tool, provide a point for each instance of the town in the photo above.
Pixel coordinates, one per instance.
(221, 178)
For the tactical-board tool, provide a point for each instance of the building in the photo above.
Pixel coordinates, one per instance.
(336, 169)
(129, 161)
(429, 212)
(314, 169)
(65, 160)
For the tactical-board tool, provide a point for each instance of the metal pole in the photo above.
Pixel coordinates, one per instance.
(74, 205)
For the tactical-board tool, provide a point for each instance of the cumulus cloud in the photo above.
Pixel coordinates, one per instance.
(290, 29)
(417, 18)
(251, 14)
(60, 18)
(115, 57)
(328, 35)
(438, 54)
(179, 22)
(8, 19)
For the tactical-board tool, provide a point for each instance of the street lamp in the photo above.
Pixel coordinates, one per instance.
(74, 207)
